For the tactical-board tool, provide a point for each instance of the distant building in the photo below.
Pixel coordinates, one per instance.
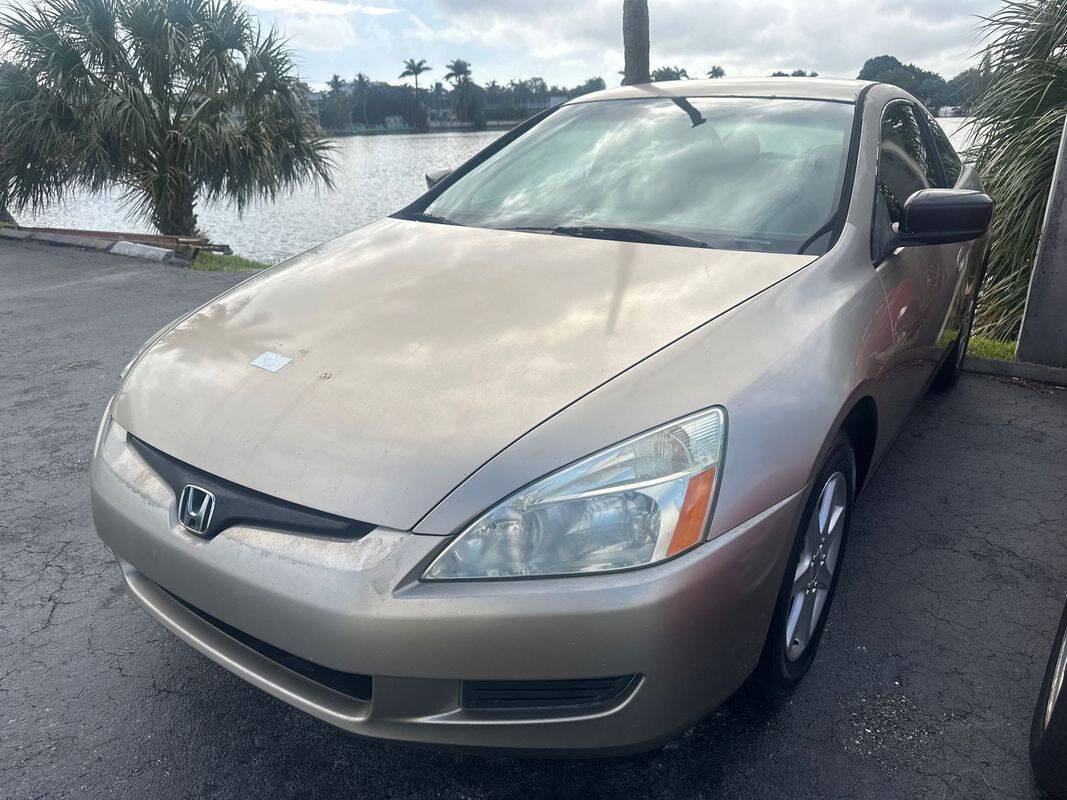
(395, 122)
(519, 108)
(442, 116)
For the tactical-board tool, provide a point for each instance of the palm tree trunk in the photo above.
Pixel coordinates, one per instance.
(178, 218)
(635, 41)
(6, 217)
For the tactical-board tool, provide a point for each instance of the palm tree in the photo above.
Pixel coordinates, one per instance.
(360, 88)
(492, 93)
(1017, 125)
(5, 215)
(669, 74)
(336, 85)
(635, 41)
(463, 99)
(414, 69)
(335, 109)
(174, 101)
(459, 71)
(716, 72)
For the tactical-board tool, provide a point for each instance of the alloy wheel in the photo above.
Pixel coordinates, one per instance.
(815, 567)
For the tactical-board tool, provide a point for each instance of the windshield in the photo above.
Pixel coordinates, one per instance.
(733, 173)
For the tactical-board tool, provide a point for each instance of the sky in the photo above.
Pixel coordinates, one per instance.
(566, 42)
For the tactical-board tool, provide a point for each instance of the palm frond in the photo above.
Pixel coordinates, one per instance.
(1017, 125)
(173, 100)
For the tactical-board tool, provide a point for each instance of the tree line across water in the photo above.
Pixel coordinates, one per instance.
(361, 103)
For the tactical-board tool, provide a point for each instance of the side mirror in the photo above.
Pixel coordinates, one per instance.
(944, 216)
(436, 176)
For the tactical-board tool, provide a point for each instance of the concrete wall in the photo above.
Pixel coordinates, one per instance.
(1043, 339)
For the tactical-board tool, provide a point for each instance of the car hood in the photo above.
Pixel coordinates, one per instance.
(418, 351)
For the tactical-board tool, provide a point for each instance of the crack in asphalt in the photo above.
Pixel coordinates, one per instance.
(923, 686)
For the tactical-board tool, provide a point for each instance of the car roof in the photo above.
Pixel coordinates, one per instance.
(806, 88)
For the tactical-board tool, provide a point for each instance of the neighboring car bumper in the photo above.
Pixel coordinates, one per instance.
(691, 629)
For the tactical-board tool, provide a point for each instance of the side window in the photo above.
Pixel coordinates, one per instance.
(904, 167)
(950, 161)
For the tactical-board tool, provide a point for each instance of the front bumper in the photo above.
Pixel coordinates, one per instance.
(691, 629)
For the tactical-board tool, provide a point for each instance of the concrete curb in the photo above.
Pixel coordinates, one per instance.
(135, 250)
(118, 247)
(1057, 376)
(14, 233)
(68, 240)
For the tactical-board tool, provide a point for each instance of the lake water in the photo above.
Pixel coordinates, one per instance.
(375, 176)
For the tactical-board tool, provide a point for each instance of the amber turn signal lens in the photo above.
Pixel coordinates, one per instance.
(694, 513)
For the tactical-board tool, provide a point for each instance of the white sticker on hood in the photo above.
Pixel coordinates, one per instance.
(271, 362)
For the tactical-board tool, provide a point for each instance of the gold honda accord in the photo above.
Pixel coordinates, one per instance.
(557, 457)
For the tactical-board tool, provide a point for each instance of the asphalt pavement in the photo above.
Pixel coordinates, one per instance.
(923, 686)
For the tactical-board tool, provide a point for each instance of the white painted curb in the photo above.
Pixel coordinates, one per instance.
(135, 250)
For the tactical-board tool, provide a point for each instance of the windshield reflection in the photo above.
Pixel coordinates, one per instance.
(736, 173)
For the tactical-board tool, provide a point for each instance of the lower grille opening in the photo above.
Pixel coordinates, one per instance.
(347, 683)
(544, 695)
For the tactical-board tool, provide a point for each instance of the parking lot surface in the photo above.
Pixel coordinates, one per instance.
(923, 686)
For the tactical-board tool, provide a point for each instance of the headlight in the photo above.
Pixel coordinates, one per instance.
(636, 503)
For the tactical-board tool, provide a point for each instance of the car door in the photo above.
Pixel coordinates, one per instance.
(918, 281)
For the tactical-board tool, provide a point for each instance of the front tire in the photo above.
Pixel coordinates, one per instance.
(1048, 731)
(811, 575)
(948, 375)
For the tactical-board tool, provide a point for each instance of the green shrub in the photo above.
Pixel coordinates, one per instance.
(1017, 126)
(991, 348)
(206, 261)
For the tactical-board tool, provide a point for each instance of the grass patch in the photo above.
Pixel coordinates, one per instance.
(207, 261)
(991, 348)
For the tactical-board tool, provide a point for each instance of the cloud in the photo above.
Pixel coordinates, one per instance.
(319, 26)
(567, 42)
(748, 37)
(316, 8)
(318, 34)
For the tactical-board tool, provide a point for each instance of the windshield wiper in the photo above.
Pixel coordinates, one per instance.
(825, 229)
(645, 235)
(422, 216)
